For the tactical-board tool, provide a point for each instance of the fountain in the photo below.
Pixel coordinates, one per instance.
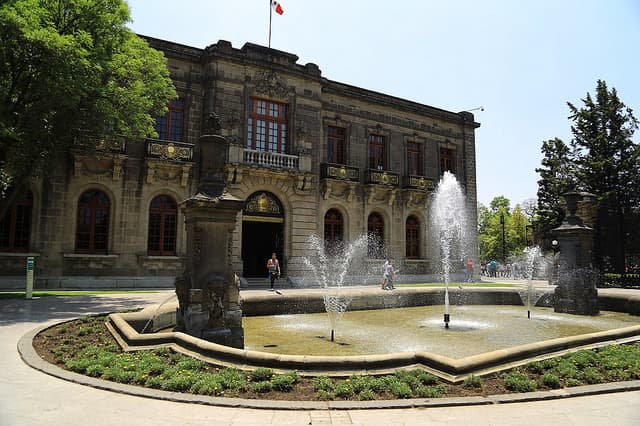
(214, 340)
(532, 262)
(449, 223)
(330, 271)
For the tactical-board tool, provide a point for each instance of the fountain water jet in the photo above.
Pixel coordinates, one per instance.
(449, 223)
(330, 271)
(532, 261)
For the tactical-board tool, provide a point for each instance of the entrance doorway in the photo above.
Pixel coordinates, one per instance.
(262, 233)
(259, 240)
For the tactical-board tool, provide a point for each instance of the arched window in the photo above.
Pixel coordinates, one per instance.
(163, 219)
(15, 226)
(333, 232)
(375, 234)
(412, 238)
(92, 231)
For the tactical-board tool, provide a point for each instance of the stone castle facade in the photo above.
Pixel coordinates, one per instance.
(308, 154)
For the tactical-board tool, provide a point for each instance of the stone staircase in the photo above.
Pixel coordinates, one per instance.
(257, 283)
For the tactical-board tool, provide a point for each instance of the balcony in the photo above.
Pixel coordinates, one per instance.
(419, 183)
(169, 150)
(270, 159)
(381, 177)
(168, 162)
(340, 172)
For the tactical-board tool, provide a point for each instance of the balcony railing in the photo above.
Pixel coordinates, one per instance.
(270, 159)
(169, 150)
(340, 172)
(381, 177)
(418, 182)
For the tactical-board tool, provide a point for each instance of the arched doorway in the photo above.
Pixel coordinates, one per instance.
(262, 233)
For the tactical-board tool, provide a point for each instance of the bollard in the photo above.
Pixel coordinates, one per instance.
(29, 292)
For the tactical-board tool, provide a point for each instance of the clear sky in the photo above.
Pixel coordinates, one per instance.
(522, 60)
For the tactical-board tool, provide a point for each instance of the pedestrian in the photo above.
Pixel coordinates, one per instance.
(388, 274)
(469, 270)
(273, 266)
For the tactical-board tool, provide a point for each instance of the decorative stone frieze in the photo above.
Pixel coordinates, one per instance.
(93, 164)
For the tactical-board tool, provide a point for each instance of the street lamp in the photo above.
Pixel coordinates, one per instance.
(503, 240)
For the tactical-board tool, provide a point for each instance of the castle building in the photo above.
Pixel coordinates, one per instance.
(307, 154)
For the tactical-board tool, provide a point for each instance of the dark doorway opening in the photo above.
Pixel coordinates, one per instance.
(259, 240)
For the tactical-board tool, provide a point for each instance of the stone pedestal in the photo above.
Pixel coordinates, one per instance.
(576, 291)
(208, 291)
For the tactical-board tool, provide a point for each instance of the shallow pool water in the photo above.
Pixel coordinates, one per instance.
(473, 330)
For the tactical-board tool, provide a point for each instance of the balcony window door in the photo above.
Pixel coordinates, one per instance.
(333, 232)
(414, 159)
(267, 126)
(377, 152)
(335, 145)
(447, 160)
(170, 126)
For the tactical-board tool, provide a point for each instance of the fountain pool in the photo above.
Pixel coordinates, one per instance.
(477, 329)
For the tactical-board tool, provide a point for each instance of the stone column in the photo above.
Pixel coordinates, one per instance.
(576, 291)
(208, 291)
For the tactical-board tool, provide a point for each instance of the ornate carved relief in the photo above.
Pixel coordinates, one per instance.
(107, 165)
(263, 203)
(268, 82)
(159, 171)
(415, 198)
(338, 190)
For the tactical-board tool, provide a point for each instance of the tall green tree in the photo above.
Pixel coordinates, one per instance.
(606, 160)
(71, 73)
(556, 178)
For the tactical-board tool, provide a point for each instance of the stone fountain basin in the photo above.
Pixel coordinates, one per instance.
(126, 329)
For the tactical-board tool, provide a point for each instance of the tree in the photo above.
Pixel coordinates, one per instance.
(607, 165)
(71, 73)
(556, 178)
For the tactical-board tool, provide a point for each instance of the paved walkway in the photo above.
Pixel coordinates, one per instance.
(29, 397)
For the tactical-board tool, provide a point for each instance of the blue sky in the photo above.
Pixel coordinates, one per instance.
(521, 60)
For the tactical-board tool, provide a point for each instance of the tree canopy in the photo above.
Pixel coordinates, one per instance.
(601, 159)
(72, 73)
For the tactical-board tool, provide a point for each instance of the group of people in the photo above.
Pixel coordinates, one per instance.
(273, 268)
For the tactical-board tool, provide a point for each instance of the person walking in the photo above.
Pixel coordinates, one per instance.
(273, 266)
(388, 275)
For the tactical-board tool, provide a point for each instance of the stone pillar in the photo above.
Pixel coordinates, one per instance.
(576, 291)
(208, 291)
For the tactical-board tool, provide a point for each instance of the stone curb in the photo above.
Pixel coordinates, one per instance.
(32, 359)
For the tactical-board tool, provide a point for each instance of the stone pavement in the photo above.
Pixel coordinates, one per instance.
(29, 397)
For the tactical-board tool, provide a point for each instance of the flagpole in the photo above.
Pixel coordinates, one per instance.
(270, 13)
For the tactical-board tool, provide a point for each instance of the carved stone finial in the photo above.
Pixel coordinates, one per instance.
(212, 124)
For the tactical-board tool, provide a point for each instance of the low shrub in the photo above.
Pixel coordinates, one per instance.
(518, 381)
(261, 374)
(322, 383)
(262, 386)
(285, 382)
(472, 382)
(550, 380)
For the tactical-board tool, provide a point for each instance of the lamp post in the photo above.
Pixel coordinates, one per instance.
(503, 239)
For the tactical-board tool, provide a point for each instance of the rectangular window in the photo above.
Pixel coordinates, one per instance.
(414, 159)
(335, 145)
(377, 154)
(267, 126)
(170, 126)
(447, 160)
